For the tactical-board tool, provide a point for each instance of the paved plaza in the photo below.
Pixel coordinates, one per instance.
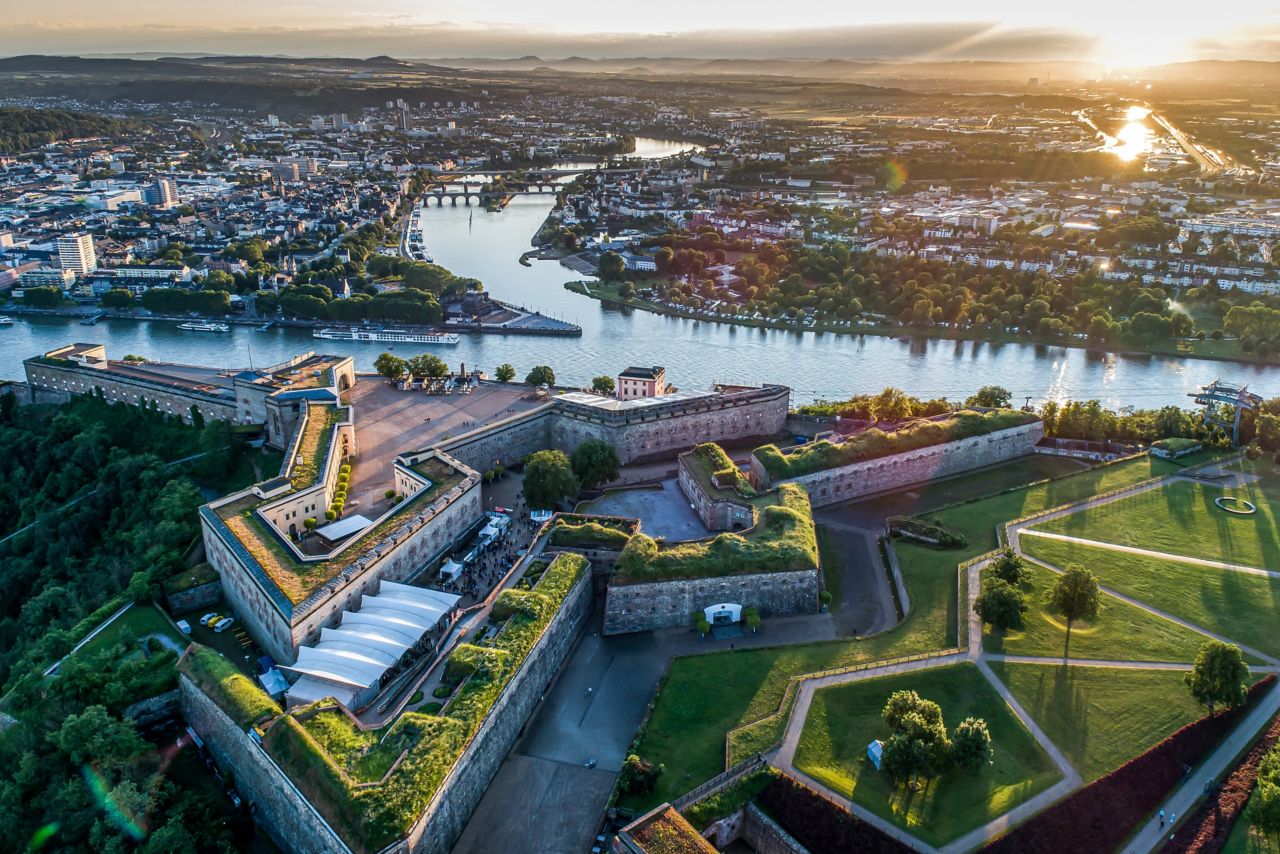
(663, 510)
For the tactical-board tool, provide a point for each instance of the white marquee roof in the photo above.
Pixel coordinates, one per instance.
(353, 656)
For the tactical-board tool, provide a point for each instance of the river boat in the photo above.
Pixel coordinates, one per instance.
(356, 333)
(204, 326)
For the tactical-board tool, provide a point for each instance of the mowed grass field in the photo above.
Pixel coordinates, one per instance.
(705, 696)
(1180, 518)
(1121, 631)
(1100, 717)
(1237, 605)
(844, 719)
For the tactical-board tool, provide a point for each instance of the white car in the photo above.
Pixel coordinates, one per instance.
(209, 618)
(224, 624)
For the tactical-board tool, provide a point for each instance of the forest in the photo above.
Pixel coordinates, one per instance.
(23, 129)
(97, 509)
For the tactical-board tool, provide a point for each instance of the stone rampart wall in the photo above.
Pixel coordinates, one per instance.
(718, 514)
(895, 471)
(670, 604)
(278, 807)
(55, 384)
(447, 814)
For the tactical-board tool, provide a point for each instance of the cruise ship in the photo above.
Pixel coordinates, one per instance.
(356, 333)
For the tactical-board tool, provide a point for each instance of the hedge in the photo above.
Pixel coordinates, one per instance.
(783, 540)
(1208, 829)
(229, 689)
(873, 443)
(1102, 815)
(712, 466)
(588, 535)
(821, 825)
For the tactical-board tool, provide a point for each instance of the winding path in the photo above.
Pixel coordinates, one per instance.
(1181, 802)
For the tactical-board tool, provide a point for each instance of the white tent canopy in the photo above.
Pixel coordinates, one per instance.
(451, 570)
(351, 658)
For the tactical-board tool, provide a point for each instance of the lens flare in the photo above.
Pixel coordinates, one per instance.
(124, 822)
(42, 836)
(895, 175)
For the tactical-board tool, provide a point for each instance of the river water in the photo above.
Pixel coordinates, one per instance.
(471, 242)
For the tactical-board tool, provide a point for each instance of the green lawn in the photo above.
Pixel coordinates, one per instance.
(926, 497)
(1237, 605)
(1121, 631)
(844, 719)
(686, 731)
(1182, 519)
(1100, 717)
(138, 621)
(978, 519)
(832, 567)
(1245, 840)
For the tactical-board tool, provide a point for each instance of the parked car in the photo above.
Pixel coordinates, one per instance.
(209, 618)
(224, 624)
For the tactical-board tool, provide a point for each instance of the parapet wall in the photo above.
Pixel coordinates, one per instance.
(718, 514)
(56, 383)
(456, 799)
(296, 827)
(922, 464)
(278, 807)
(670, 604)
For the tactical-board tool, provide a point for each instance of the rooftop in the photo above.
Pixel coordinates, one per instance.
(609, 404)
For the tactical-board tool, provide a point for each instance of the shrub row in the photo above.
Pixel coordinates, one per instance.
(820, 825)
(232, 691)
(1207, 831)
(1100, 816)
(588, 535)
(873, 443)
(926, 530)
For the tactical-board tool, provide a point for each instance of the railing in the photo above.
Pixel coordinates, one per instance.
(720, 781)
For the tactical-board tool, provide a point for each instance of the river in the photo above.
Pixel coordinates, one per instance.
(471, 242)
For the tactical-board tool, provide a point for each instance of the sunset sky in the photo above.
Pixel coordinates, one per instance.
(1115, 33)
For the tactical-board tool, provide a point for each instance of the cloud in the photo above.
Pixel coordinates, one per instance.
(952, 41)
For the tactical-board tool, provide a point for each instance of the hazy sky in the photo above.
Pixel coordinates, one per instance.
(1116, 32)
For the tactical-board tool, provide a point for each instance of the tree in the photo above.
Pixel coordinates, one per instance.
(548, 477)
(892, 404)
(1219, 677)
(611, 266)
(505, 373)
(390, 366)
(1010, 568)
(427, 365)
(639, 776)
(595, 462)
(971, 744)
(992, 396)
(1000, 605)
(1075, 596)
(117, 298)
(919, 747)
(95, 735)
(603, 385)
(42, 296)
(541, 374)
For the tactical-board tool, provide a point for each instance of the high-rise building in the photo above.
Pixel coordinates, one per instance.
(75, 253)
(402, 119)
(317, 123)
(163, 193)
(273, 120)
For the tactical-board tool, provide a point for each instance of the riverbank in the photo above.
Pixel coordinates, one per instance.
(1226, 350)
(525, 323)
